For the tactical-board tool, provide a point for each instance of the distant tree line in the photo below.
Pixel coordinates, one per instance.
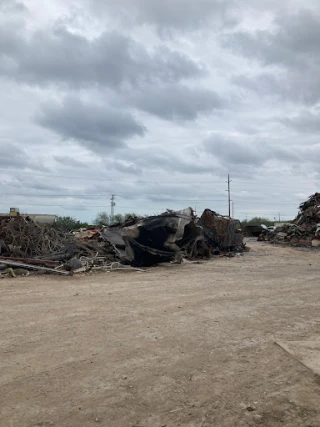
(257, 220)
(103, 218)
(68, 223)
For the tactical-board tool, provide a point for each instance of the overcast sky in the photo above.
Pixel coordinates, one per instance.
(156, 102)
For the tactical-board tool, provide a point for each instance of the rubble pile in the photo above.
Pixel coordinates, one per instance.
(156, 239)
(304, 230)
(139, 242)
(174, 235)
(23, 241)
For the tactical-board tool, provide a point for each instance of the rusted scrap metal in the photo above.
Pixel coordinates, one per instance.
(25, 238)
(173, 235)
(86, 234)
(221, 232)
(309, 211)
(114, 235)
(156, 238)
(304, 229)
(22, 240)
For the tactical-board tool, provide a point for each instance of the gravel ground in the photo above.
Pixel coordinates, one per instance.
(179, 345)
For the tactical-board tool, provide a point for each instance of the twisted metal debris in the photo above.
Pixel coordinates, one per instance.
(139, 242)
(27, 239)
(304, 229)
(20, 237)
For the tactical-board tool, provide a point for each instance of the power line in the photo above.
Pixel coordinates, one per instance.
(64, 206)
(77, 206)
(55, 195)
(108, 179)
(78, 192)
(103, 178)
(159, 199)
(104, 195)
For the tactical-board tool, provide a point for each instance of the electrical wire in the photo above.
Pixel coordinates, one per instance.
(248, 181)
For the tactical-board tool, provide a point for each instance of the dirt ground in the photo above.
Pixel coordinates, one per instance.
(179, 345)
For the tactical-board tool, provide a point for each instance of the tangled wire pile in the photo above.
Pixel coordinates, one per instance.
(20, 237)
(27, 239)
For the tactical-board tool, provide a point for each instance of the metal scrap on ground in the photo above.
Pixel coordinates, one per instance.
(303, 231)
(171, 236)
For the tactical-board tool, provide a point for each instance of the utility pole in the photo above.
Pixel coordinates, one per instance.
(279, 217)
(112, 207)
(229, 200)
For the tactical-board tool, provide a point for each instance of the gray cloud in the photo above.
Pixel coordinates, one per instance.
(292, 45)
(291, 85)
(246, 152)
(114, 64)
(168, 160)
(127, 168)
(305, 122)
(112, 59)
(95, 126)
(288, 44)
(37, 183)
(176, 102)
(12, 155)
(186, 15)
(312, 154)
(266, 84)
(233, 151)
(69, 161)
(12, 6)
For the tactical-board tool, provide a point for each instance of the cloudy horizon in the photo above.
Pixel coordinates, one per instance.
(157, 102)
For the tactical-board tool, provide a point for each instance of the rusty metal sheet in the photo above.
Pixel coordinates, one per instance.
(220, 231)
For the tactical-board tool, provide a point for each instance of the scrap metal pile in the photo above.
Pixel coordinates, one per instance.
(27, 245)
(171, 236)
(304, 230)
(175, 235)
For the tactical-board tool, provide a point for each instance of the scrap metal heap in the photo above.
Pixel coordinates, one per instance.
(221, 233)
(138, 242)
(304, 229)
(166, 237)
(27, 245)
